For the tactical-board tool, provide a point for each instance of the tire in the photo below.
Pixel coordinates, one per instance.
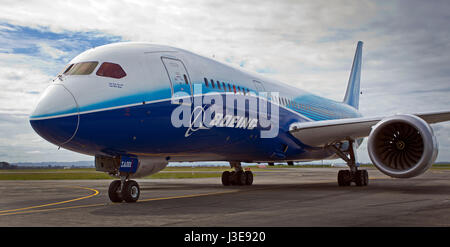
(366, 177)
(240, 178)
(232, 178)
(131, 191)
(344, 178)
(113, 194)
(248, 178)
(361, 178)
(226, 175)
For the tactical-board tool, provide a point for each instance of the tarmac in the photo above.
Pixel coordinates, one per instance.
(278, 197)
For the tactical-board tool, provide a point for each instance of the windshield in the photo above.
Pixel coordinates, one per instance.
(84, 68)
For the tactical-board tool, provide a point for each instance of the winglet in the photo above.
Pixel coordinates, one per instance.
(353, 87)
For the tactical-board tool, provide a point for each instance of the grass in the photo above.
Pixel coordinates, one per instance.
(168, 173)
(52, 176)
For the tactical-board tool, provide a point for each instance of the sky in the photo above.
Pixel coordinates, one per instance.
(307, 44)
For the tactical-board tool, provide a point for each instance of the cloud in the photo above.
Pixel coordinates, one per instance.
(18, 142)
(307, 44)
(51, 51)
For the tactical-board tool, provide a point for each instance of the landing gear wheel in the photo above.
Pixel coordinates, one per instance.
(226, 178)
(232, 179)
(361, 178)
(113, 191)
(248, 178)
(240, 178)
(344, 178)
(131, 191)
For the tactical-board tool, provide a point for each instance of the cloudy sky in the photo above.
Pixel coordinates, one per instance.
(308, 44)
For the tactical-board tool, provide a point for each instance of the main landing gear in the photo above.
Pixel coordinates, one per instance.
(346, 177)
(359, 177)
(124, 190)
(238, 176)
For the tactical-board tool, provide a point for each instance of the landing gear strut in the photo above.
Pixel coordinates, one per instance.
(124, 190)
(238, 176)
(346, 177)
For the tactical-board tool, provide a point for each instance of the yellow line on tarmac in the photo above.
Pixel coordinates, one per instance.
(24, 211)
(55, 203)
(53, 209)
(189, 196)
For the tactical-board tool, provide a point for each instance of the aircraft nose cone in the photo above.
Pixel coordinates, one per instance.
(56, 117)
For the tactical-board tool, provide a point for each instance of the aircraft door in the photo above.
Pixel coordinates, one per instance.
(178, 75)
(259, 86)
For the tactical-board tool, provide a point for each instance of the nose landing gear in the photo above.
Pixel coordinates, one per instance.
(124, 190)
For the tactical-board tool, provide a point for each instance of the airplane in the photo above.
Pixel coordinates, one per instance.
(137, 106)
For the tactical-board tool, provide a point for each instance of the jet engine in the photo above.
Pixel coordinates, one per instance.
(402, 146)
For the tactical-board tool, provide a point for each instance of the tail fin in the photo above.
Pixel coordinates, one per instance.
(353, 88)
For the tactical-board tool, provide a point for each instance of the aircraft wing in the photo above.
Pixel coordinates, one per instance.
(323, 133)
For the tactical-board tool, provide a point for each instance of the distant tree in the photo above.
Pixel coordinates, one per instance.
(4, 165)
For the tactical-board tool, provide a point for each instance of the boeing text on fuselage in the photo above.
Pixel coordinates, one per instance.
(242, 112)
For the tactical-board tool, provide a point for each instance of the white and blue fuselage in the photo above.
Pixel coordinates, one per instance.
(98, 110)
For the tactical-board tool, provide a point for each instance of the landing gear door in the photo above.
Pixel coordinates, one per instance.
(178, 76)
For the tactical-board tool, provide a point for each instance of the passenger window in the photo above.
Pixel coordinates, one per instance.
(212, 83)
(84, 68)
(111, 70)
(224, 86)
(239, 89)
(229, 87)
(185, 79)
(206, 82)
(218, 85)
(234, 88)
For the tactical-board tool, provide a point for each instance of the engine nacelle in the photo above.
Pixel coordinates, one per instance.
(111, 165)
(149, 166)
(402, 146)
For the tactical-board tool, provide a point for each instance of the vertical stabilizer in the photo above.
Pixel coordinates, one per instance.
(353, 88)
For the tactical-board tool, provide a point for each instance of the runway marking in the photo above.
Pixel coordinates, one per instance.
(188, 196)
(105, 204)
(96, 192)
(26, 211)
(54, 209)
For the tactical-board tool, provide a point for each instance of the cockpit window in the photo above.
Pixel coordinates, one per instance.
(84, 68)
(111, 70)
(66, 69)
